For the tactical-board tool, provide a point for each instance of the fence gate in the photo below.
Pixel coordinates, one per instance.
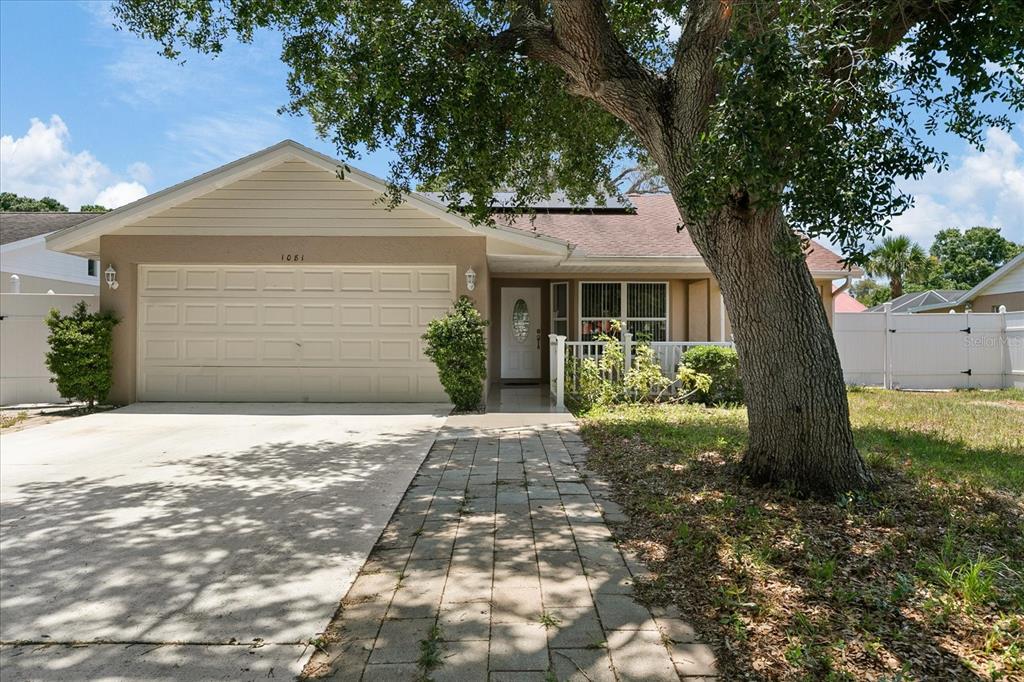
(925, 350)
(923, 354)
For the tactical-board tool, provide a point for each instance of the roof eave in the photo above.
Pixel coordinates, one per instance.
(67, 240)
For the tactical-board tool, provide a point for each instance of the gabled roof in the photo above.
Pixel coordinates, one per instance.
(647, 233)
(72, 238)
(15, 226)
(640, 234)
(969, 295)
(906, 303)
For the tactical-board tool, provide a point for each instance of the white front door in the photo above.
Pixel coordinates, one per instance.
(520, 333)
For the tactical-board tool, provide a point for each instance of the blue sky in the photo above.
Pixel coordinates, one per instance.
(114, 120)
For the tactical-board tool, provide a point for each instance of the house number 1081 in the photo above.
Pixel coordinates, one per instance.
(293, 257)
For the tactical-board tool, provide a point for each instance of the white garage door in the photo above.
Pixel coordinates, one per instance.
(289, 334)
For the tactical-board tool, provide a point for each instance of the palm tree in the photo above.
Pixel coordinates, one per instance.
(897, 258)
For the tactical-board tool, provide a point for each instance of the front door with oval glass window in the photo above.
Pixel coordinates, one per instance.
(520, 333)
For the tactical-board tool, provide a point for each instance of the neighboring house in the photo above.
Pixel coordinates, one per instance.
(909, 303)
(1004, 287)
(842, 302)
(23, 255)
(270, 279)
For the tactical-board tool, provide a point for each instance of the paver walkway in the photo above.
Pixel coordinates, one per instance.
(499, 565)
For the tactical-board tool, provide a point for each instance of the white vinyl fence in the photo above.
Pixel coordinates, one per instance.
(23, 333)
(931, 350)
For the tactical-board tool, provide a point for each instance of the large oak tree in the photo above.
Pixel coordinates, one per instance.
(770, 120)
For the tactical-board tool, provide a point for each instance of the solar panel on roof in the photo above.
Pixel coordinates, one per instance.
(557, 202)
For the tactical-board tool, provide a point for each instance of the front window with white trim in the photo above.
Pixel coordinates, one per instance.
(642, 307)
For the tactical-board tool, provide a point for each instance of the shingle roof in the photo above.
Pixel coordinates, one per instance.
(650, 231)
(904, 303)
(17, 226)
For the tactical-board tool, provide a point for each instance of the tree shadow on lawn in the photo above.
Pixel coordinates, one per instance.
(789, 588)
(254, 545)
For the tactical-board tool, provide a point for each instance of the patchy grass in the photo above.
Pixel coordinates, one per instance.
(9, 420)
(431, 652)
(921, 579)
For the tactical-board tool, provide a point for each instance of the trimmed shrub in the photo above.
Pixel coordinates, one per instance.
(80, 353)
(456, 345)
(721, 364)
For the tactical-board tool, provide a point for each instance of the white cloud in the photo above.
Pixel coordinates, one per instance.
(981, 188)
(216, 140)
(145, 78)
(41, 163)
(120, 194)
(140, 172)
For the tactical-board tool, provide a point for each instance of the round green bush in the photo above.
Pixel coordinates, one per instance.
(81, 353)
(721, 364)
(456, 345)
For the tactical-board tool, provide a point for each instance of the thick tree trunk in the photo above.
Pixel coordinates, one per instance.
(800, 435)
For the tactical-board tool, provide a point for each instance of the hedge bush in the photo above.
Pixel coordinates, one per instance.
(80, 353)
(456, 345)
(721, 364)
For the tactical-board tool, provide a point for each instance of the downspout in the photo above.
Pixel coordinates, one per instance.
(844, 287)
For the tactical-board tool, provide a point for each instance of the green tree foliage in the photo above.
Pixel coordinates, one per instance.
(899, 259)
(966, 258)
(13, 202)
(545, 95)
(722, 365)
(456, 345)
(93, 208)
(80, 353)
(869, 292)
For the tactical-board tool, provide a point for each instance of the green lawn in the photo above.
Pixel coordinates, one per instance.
(921, 579)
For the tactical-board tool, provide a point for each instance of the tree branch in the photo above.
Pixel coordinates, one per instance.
(580, 42)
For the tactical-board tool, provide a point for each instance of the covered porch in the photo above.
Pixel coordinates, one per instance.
(671, 312)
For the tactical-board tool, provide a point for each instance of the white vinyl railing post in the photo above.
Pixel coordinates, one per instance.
(1005, 347)
(552, 383)
(627, 352)
(886, 354)
(558, 371)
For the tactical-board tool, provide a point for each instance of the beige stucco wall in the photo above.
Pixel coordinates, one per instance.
(987, 304)
(698, 325)
(126, 253)
(825, 290)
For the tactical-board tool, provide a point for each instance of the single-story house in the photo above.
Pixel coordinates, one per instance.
(278, 278)
(1004, 287)
(28, 267)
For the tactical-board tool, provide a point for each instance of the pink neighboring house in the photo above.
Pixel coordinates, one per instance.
(844, 303)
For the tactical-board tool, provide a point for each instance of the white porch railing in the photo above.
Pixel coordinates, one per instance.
(669, 354)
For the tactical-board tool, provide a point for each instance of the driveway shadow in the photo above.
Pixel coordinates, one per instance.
(228, 547)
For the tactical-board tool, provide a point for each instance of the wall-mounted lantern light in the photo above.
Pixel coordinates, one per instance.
(111, 276)
(470, 279)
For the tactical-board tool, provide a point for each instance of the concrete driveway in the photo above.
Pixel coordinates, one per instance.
(192, 541)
